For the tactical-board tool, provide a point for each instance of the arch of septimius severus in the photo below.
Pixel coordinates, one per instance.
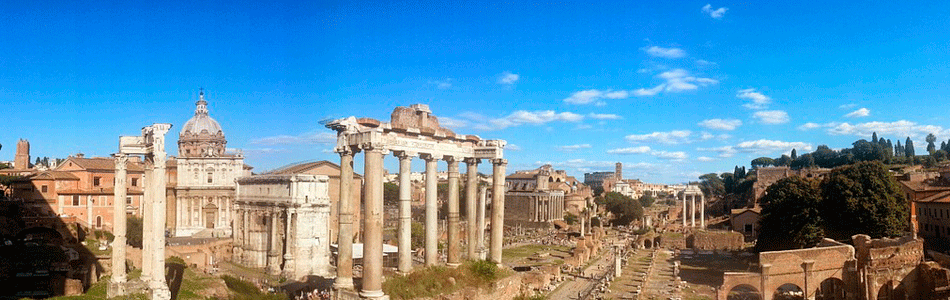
(412, 132)
(151, 145)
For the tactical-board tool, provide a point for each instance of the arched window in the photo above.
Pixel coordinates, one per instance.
(98, 221)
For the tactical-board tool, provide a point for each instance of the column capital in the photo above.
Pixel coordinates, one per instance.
(346, 150)
(404, 154)
(121, 159)
(499, 161)
(430, 156)
(450, 159)
(472, 160)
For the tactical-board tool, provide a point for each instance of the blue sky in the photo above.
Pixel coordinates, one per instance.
(673, 89)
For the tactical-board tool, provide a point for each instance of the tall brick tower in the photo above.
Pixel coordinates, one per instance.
(619, 171)
(22, 159)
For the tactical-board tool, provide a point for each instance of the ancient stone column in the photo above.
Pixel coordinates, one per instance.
(158, 287)
(405, 213)
(692, 211)
(344, 261)
(702, 211)
(89, 212)
(147, 218)
(117, 288)
(273, 251)
(497, 209)
(432, 211)
(452, 258)
(482, 202)
(373, 224)
(583, 218)
(684, 209)
(289, 270)
(471, 190)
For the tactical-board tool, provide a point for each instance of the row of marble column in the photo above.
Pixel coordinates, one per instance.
(692, 209)
(547, 208)
(191, 214)
(373, 215)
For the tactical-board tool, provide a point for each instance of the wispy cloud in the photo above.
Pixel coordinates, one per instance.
(442, 84)
(705, 159)
(508, 78)
(594, 96)
(715, 13)
(604, 116)
(676, 81)
(669, 137)
(758, 100)
(512, 147)
(899, 129)
(314, 137)
(720, 124)
(673, 156)
(847, 106)
(761, 147)
(656, 51)
(809, 126)
(771, 117)
(630, 150)
(523, 117)
(860, 113)
(571, 148)
(724, 151)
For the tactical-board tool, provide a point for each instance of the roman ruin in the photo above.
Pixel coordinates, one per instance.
(151, 145)
(690, 194)
(412, 132)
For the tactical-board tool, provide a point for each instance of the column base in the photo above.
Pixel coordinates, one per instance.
(343, 283)
(453, 265)
(160, 293)
(374, 295)
(116, 289)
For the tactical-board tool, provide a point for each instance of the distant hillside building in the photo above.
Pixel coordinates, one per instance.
(536, 198)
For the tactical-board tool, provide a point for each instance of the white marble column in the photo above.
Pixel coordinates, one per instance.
(453, 259)
(482, 202)
(117, 286)
(147, 219)
(373, 225)
(702, 211)
(344, 261)
(692, 211)
(432, 211)
(273, 250)
(405, 212)
(471, 190)
(684, 209)
(498, 209)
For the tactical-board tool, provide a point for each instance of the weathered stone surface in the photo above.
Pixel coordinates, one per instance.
(73, 287)
(717, 240)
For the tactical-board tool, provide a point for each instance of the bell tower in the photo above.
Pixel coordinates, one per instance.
(22, 159)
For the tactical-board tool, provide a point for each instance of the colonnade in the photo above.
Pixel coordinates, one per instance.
(152, 146)
(689, 204)
(547, 207)
(373, 214)
(192, 212)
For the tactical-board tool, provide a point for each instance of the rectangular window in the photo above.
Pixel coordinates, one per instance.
(748, 228)
(95, 181)
(75, 200)
(44, 188)
(210, 176)
(135, 181)
(128, 200)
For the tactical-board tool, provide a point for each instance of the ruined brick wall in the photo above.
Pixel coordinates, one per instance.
(673, 241)
(765, 177)
(717, 240)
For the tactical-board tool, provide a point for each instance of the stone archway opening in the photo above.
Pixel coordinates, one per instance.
(891, 290)
(831, 289)
(647, 244)
(789, 291)
(656, 242)
(744, 292)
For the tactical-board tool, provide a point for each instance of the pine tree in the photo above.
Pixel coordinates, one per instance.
(930, 143)
(794, 155)
(909, 148)
(874, 137)
(899, 150)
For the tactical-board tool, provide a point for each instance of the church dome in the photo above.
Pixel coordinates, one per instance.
(202, 135)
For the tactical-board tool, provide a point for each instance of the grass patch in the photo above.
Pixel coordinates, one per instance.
(241, 290)
(439, 280)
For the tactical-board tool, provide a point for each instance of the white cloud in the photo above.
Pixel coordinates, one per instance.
(715, 13)
(771, 116)
(708, 136)
(263, 151)
(809, 126)
(665, 52)
(720, 124)
(759, 100)
(508, 78)
(512, 147)
(674, 156)
(453, 122)
(676, 80)
(724, 151)
(847, 106)
(583, 164)
(703, 62)
(705, 159)
(630, 150)
(316, 137)
(764, 146)
(594, 96)
(523, 117)
(570, 148)
(863, 112)
(899, 129)
(604, 116)
(671, 137)
(442, 84)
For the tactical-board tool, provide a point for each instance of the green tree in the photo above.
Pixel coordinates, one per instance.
(930, 143)
(390, 194)
(624, 209)
(863, 198)
(134, 233)
(909, 148)
(785, 160)
(874, 137)
(762, 162)
(940, 155)
(711, 185)
(794, 154)
(791, 215)
(646, 200)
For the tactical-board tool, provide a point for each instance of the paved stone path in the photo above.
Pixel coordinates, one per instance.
(571, 288)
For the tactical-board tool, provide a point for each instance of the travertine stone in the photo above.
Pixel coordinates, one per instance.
(405, 212)
(453, 259)
(344, 263)
(497, 209)
(117, 284)
(373, 224)
(471, 191)
(432, 211)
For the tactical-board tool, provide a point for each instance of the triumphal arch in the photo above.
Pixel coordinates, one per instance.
(151, 145)
(412, 132)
